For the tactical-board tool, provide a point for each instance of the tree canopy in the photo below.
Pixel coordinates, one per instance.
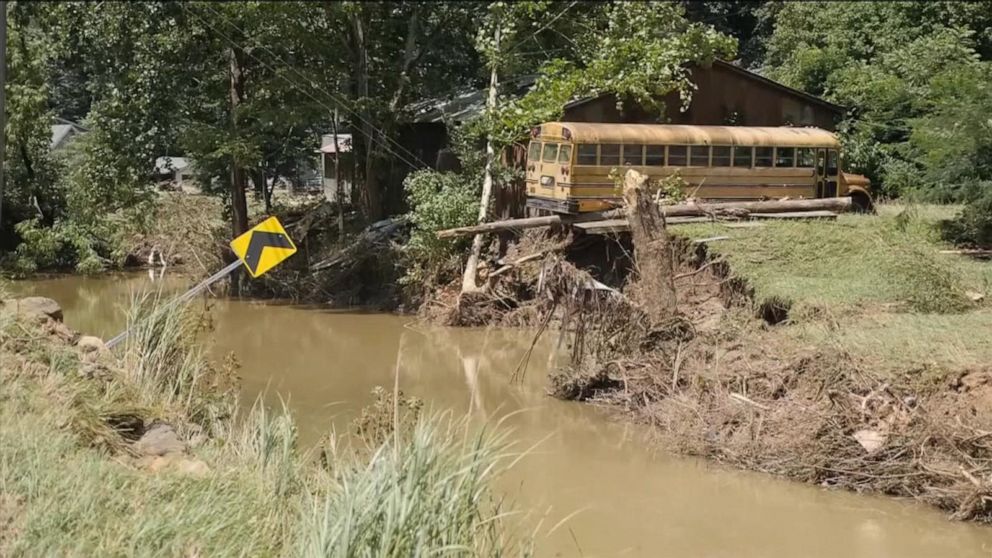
(246, 89)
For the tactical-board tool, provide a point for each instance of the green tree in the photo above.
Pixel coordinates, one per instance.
(882, 61)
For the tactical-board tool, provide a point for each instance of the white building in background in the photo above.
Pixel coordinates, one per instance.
(174, 169)
(64, 132)
(327, 160)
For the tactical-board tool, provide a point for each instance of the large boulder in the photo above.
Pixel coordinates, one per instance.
(36, 307)
(160, 440)
(90, 344)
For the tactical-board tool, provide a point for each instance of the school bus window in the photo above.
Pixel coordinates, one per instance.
(678, 155)
(587, 154)
(699, 155)
(763, 156)
(565, 154)
(743, 156)
(804, 157)
(721, 155)
(785, 156)
(609, 154)
(831, 162)
(654, 155)
(633, 154)
(534, 152)
(550, 152)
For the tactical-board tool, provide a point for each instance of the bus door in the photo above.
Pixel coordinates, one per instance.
(821, 172)
(833, 170)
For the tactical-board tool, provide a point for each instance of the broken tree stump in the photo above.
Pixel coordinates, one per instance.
(654, 288)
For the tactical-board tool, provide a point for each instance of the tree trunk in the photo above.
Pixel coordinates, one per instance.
(715, 209)
(371, 197)
(239, 203)
(655, 285)
(469, 279)
(338, 187)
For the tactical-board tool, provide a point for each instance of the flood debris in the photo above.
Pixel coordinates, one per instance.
(678, 343)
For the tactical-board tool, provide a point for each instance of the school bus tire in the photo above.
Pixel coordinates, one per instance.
(861, 201)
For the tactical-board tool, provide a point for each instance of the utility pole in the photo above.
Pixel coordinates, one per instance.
(3, 103)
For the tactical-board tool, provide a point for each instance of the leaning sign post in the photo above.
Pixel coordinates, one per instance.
(260, 249)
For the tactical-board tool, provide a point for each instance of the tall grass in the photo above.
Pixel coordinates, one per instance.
(423, 492)
(428, 496)
(163, 358)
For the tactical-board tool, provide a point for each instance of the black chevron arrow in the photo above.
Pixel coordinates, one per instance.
(259, 241)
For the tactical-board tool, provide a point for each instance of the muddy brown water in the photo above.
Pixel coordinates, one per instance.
(622, 495)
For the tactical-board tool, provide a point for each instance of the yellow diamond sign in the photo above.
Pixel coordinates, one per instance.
(263, 247)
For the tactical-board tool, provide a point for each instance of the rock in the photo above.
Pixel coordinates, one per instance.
(160, 440)
(91, 344)
(193, 467)
(185, 465)
(871, 440)
(59, 330)
(38, 306)
(95, 371)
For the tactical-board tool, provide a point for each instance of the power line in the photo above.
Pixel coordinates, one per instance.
(542, 28)
(337, 101)
(340, 102)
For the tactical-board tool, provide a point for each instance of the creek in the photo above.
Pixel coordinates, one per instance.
(620, 494)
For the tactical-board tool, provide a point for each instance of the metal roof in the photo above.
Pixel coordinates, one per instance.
(167, 164)
(62, 131)
(327, 143)
(680, 134)
(465, 105)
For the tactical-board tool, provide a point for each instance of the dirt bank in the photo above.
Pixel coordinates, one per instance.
(882, 388)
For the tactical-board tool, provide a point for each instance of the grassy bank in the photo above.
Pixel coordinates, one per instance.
(889, 261)
(82, 476)
(875, 285)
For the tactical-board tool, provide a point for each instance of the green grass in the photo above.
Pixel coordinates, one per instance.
(891, 260)
(66, 490)
(932, 344)
(874, 285)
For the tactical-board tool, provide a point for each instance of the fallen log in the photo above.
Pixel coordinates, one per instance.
(712, 210)
(823, 214)
(364, 244)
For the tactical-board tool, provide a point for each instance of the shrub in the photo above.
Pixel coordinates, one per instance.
(973, 225)
(438, 200)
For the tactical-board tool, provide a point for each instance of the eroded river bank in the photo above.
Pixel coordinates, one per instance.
(621, 494)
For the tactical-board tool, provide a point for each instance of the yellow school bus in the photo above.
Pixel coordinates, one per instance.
(569, 163)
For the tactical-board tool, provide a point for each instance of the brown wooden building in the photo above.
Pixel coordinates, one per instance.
(725, 95)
